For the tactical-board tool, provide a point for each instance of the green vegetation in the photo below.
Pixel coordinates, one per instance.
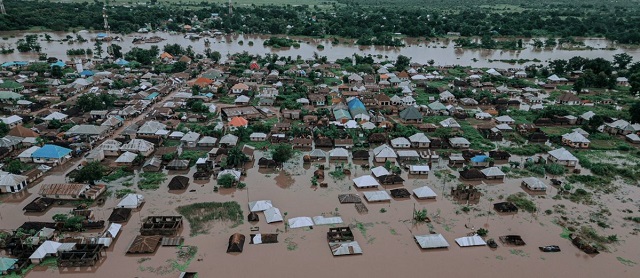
(522, 201)
(478, 142)
(527, 150)
(192, 156)
(123, 192)
(91, 172)
(277, 42)
(200, 215)
(151, 181)
(117, 174)
(227, 181)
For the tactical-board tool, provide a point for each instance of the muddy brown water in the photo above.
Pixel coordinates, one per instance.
(386, 240)
(441, 51)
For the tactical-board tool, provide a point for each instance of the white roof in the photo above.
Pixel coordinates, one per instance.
(11, 179)
(400, 141)
(419, 138)
(236, 174)
(339, 152)
(504, 127)
(450, 122)
(419, 168)
(48, 247)
(11, 119)
(131, 201)
(384, 151)
(321, 220)
(459, 140)
(272, 214)
(190, 137)
(126, 157)
(504, 119)
(55, 116)
(563, 155)
(365, 181)
(368, 125)
(633, 137)
(379, 171)
(424, 192)
(467, 241)
(535, 183)
(261, 205)
(345, 248)
(113, 230)
(299, 222)
(431, 241)
(409, 153)
(208, 140)
(27, 153)
(575, 137)
(492, 172)
(377, 196)
(258, 135)
(318, 153)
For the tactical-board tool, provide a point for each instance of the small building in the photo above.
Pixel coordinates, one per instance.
(411, 115)
(562, 157)
(534, 184)
(126, 159)
(258, 137)
(384, 153)
(575, 140)
(10, 183)
(493, 173)
(51, 154)
(339, 154)
(377, 196)
(431, 241)
(419, 169)
(459, 142)
(179, 183)
(229, 140)
(366, 181)
(419, 140)
(190, 139)
(424, 192)
(401, 143)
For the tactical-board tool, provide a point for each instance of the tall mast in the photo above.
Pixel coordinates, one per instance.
(230, 8)
(107, 29)
(3, 11)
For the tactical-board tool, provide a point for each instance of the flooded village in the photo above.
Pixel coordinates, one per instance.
(303, 166)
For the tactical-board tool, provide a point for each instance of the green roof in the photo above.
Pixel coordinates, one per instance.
(6, 264)
(10, 84)
(9, 95)
(411, 113)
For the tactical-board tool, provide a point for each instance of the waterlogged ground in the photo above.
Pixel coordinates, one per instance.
(385, 233)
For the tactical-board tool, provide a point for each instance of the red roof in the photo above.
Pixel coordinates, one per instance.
(238, 121)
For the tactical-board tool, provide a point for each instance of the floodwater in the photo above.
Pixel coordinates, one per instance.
(386, 240)
(441, 51)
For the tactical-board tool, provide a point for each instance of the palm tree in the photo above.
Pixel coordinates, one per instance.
(235, 157)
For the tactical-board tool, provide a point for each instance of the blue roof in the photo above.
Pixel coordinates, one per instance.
(14, 63)
(479, 158)
(59, 64)
(87, 73)
(101, 35)
(356, 107)
(152, 96)
(51, 151)
(7, 264)
(122, 62)
(340, 114)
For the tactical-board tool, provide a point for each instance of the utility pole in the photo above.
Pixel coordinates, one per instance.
(230, 8)
(107, 29)
(2, 10)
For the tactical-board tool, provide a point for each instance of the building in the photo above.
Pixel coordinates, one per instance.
(534, 184)
(51, 154)
(562, 157)
(411, 115)
(10, 183)
(138, 146)
(575, 140)
(384, 153)
(459, 143)
(12, 121)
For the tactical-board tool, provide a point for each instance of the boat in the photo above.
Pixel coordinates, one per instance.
(550, 248)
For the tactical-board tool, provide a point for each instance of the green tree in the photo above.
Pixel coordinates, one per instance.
(4, 129)
(235, 157)
(98, 48)
(227, 181)
(15, 167)
(622, 60)
(402, 62)
(634, 111)
(179, 67)
(91, 172)
(115, 51)
(579, 85)
(282, 153)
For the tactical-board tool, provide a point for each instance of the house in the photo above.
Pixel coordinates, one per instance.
(154, 164)
(339, 154)
(419, 140)
(302, 142)
(447, 96)
(70, 191)
(411, 115)
(229, 140)
(237, 122)
(554, 79)
(408, 101)
(242, 100)
(450, 123)
(12, 121)
(382, 100)
(493, 173)
(258, 137)
(534, 184)
(419, 169)
(343, 143)
(562, 157)
(126, 159)
(178, 164)
(88, 131)
(10, 183)
(207, 141)
(239, 88)
(479, 161)
(505, 120)
(110, 147)
(366, 181)
(400, 142)
(25, 156)
(190, 139)
(384, 153)
(55, 116)
(459, 142)
(575, 140)
(633, 138)
(51, 154)
(138, 146)
(569, 99)
(622, 81)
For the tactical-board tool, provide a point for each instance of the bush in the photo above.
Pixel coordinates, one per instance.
(482, 232)
(227, 181)
(555, 169)
(521, 200)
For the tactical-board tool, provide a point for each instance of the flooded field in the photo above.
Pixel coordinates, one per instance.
(385, 233)
(442, 51)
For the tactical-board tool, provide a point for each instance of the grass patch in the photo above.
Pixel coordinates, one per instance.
(566, 234)
(117, 174)
(626, 261)
(151, 181)
(200, 215)
(522, 201)
(192, 156)
(518, 252)
(123, 192)
(527, 150)
(171, 143)
(478, 142)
